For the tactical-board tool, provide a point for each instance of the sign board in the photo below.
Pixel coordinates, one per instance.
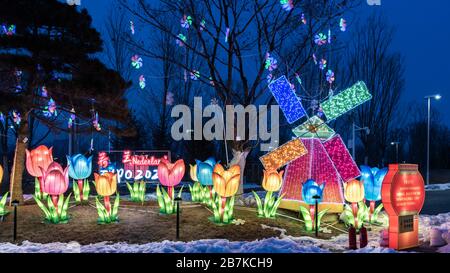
(403, 195)
(131, 166)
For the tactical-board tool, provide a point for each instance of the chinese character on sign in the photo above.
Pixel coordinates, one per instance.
(103, 160)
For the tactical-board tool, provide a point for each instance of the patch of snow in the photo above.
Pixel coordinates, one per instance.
(438, 187)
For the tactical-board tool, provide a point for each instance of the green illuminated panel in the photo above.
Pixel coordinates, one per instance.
(346, 101)
(314, 127)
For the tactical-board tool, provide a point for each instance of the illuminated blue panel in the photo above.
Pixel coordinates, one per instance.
(287, 99)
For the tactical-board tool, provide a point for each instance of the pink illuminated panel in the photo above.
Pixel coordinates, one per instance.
(314, 165)
(341, 158)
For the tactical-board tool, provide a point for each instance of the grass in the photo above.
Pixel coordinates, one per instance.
(268, 209)
(105, 216)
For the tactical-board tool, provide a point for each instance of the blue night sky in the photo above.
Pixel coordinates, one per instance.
(422, 36)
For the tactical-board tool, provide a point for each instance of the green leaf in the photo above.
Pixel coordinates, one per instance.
(42, 207)
(65, 208)
(319, 217)
(76, 191)
(3, 211)
(86, 190)
(307, 218)
(60, 202)
(101, 210)
(259, 204)
(115, 209)
(275, 206)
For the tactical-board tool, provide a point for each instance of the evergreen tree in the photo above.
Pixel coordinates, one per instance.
(47, 55)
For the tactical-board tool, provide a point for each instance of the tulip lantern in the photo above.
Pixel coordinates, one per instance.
(204, 176)
(1, 174)
(310, 191)
(354, 193)
(37, 160)
(272, 181)
(54, 182)
(372, 178)
(226, 184)
(106, 185)
(170, 175)
(196, 189)
(80, 168)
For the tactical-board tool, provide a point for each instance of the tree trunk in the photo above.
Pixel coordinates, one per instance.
(239, 158)
(19, 164)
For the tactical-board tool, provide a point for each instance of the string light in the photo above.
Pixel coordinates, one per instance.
(341, 158)
(316, 165)
(314, 127)
(288, 101)
(346, 100)
(284, 154)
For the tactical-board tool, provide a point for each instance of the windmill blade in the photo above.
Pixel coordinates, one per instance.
(284, 154)
(286, 98)
(346, 101)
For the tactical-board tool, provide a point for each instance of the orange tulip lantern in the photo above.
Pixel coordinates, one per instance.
(170, 174)
(106, 185)
(55, 181)
(37, 160)
(1, 174)
(272, 181)
(226, 184)
(354, 193)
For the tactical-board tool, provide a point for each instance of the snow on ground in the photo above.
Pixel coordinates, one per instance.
(438, 187)
(283, 244)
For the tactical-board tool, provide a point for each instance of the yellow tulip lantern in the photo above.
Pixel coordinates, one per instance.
(354, 193)
(196, 189)
(226, 184)
(272, 181)
(106, 185)
(1, 174)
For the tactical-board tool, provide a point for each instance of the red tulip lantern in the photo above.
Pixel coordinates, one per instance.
(37, 160)
(170, 174)
(55, 181)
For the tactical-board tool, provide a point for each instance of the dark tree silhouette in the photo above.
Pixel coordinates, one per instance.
(372, 61)
(52, 46)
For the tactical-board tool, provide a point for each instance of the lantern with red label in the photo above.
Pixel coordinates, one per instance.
(403, 195)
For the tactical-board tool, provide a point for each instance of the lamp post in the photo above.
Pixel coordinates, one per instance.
(396, 143)
(354, 129)
(178, 201)
(15, 203)
(428, 98)
(316, 214)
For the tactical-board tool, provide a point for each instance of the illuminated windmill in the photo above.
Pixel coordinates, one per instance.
(317, 152)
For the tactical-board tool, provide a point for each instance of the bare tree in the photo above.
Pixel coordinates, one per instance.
(371, 60)
(232, 38)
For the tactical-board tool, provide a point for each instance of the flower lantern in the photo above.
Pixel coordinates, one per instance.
(193, 172)
(55, 181)
(1, 174)
(311, 189)
(170, 175)
(354, 193)
(272, 181)
(106, 185)
(80, 168)
(37, 160)
(226, 184)
(372, 179)
(196, 190)
(204, 176)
